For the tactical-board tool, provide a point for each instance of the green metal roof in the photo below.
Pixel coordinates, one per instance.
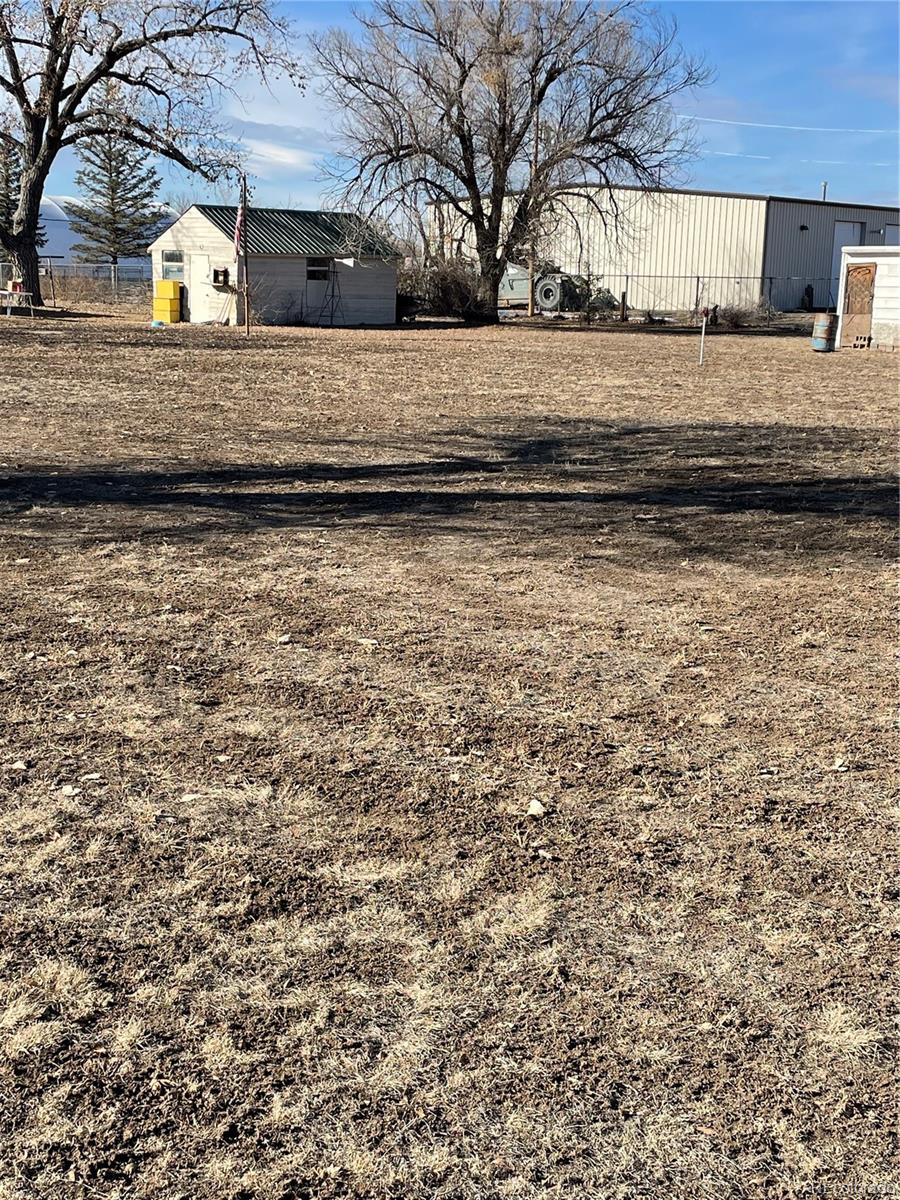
(293, 231)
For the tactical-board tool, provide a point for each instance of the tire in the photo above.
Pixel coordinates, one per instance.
(548, 295)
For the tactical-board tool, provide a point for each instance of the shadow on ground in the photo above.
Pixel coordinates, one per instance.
(716, 490)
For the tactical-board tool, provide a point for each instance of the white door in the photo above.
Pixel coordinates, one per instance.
(198, 289)
(320, 291)
(316, 307)
(846, 233)
(892, 235)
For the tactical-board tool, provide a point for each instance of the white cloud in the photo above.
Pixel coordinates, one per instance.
(269, 158)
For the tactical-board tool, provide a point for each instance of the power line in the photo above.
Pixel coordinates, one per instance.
(763, 125)
(820, 162)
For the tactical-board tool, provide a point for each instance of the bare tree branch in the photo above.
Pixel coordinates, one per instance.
(170, 63)
(441, 99)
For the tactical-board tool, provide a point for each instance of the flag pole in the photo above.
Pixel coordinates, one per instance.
(245, 256)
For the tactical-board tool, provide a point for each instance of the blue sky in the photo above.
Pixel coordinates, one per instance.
(829, 66)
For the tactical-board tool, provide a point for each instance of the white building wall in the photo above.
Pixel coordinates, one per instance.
(278, 289)
(369, 292)
(886, 308)
(735, 249)
(668, 247)
(204, 247)
(362, 294)
(796, 257)
(886, 300)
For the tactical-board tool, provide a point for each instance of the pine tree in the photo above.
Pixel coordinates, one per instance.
(10, 185)
(10, 182)
(119, 216)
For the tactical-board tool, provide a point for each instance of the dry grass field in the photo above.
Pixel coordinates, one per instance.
(444, 763)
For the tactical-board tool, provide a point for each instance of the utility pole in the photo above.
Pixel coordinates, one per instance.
(531, 250)
(245, 255)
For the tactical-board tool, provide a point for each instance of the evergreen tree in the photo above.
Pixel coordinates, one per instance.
(10, 186)
(10, 183)
(119, 216)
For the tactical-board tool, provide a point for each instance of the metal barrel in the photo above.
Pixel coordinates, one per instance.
(824, 329)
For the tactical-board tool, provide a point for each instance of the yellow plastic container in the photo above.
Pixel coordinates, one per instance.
(168, 289)
(167, 310)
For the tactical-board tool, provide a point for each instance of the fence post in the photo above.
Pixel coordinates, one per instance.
(697, 295)
(623, 306)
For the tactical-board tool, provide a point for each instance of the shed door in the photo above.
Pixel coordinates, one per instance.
(198, 289)
(321, 290)
(859, 294)
(846, 233)
(892, 235)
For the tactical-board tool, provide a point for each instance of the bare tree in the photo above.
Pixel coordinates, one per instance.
(180, 200)
(497, 111)
(170, 63)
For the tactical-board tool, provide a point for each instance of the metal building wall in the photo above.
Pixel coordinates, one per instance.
(664, 249)
(734, 249)
(668, 246)
(796, 257)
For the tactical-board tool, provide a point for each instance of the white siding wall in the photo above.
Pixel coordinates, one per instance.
(363, 294)
(886, 301)
(665, 242)
(193, 234)
(886, 309)
(369, 292)
(278, 289)
(806, 255)
(886, 305)
(733, 244)
(664, 248)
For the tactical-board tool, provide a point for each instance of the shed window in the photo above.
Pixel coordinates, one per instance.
(317, 268)
(173, 264)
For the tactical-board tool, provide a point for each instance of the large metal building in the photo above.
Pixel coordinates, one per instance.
(672, 250)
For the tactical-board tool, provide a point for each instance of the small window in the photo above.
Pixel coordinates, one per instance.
(173, 264)
(318, 268)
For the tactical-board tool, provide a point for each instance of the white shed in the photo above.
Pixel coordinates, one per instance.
(869, 298)
(306, 268)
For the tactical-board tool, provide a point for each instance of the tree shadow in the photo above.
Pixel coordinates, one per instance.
(553, 487)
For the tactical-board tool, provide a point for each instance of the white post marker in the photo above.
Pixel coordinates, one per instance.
(702, 338)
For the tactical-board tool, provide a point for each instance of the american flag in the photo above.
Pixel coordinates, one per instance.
(238, 230)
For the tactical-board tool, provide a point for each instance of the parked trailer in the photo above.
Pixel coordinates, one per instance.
(556, 292)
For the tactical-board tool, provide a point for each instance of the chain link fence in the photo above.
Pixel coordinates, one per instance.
(686, 296)
(85, 283)
(667, 297)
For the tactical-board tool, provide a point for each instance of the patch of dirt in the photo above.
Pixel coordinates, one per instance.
(297, 631)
